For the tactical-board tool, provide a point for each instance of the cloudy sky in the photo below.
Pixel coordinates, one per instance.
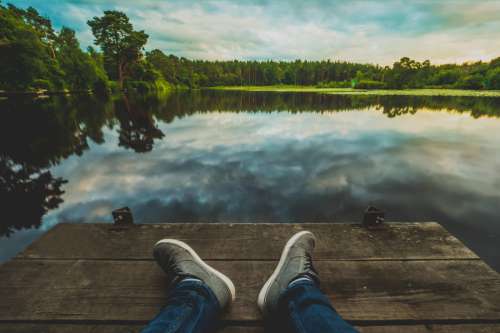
(363, 31)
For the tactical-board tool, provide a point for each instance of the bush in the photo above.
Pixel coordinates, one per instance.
(369, 84)
(42, 84)
(446, 77)
(139, 86)
(162, 86)
(493, 79)
(114, 87)
(470, 82)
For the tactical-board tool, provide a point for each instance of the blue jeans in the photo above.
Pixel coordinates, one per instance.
(303, 308)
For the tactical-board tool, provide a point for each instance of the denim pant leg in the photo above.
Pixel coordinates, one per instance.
(191, 307)
(303, 308)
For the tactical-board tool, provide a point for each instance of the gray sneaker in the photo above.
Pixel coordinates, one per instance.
(295, 262)
(178, 260)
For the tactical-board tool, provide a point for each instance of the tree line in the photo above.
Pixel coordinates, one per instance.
(404, 74)
(33, 55)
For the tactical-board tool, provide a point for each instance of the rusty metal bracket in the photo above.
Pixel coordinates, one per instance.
(373, 217)
(123, 216)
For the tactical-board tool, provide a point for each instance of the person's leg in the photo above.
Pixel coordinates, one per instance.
(291, 300)
(191, 307)
(197, 292)
(306, 309)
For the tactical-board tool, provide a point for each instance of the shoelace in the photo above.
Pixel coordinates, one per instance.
(173, 268)
(309, 262)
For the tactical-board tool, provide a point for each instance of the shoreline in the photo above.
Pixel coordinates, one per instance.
(430, 92)
(374, 92)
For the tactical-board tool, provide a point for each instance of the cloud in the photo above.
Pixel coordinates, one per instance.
(363, 31)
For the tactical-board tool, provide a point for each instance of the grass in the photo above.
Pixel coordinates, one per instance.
(378, 92)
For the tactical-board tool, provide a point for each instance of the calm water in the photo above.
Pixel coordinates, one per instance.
(246, 157)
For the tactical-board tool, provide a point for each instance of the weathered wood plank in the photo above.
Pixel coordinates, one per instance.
(132, 328)
(360, 290)
(478, 328)
(66, 328)
(102, 328)
(249, 241)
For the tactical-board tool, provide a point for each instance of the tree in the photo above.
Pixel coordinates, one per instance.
(121, 44)
(24, 57)
(446, 77)
(41, 25)
(493, 78)
(403, 73)
(80, 71)
(474, 81)
(163, 63)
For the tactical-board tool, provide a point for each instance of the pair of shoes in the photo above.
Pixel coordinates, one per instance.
(178, 260)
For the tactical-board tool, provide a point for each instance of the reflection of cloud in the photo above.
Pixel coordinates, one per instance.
(298, 167)
(367, 31)
(307, 167)
(278, 166)
(266, 150)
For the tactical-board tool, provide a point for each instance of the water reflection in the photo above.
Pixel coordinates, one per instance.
(137, 129)
(234, 157)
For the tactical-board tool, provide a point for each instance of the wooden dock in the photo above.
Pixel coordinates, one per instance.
(405, 277)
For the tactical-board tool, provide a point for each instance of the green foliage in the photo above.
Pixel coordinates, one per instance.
(473, 82)
(493, 78)
(144, 87)
(199, 73)
(495, 63)
(369, 84)
(121, 44)
(81, 72)
(446, 78)
(407, 73)
(34, 56)
(23, 56)
(404, 74)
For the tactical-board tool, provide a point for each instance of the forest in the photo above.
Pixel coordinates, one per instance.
(35, 56)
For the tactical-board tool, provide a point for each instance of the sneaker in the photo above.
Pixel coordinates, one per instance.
(295, 262)
(178, 260)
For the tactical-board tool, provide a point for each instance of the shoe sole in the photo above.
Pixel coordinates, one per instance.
(227, 281)
(261, 300)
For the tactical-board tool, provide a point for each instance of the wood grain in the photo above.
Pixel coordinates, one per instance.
(89, 278)
(360, 290)
(104, 328)
(250, 241)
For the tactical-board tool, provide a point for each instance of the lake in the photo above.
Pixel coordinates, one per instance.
(215, 156)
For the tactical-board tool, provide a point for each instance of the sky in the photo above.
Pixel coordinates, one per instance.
(360, 31)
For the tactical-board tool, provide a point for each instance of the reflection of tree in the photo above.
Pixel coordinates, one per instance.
(178, 105)
(26, 194)
(35, 135)
(137, 127)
